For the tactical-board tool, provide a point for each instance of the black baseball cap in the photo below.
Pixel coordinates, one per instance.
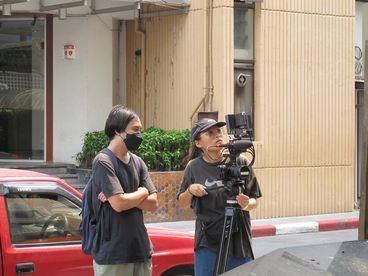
(203, 125)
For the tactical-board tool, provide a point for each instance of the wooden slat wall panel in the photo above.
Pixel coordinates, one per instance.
(223, 53)
(133, 67)
(172, 77)
(328, 7)
(175, 71)
(305, 90)
(304, 93)
(309, 90)
(175, 65)
(304, 191)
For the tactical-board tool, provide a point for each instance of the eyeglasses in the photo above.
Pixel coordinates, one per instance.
(213, 132)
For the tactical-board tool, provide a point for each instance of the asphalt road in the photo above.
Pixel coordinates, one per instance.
(319, 249)
(265, 245)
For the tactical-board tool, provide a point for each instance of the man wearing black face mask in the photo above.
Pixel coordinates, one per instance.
(122, 244)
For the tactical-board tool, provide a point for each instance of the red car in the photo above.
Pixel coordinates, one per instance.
(39, 231)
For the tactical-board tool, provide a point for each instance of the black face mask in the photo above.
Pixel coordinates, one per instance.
(133, 141)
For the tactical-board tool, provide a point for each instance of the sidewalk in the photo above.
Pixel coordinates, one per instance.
(285, 225)
(305, 224)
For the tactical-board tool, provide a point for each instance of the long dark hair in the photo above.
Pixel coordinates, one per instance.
(194, 152)
(118, 119)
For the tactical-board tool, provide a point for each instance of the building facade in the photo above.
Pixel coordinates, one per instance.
(289, 64)
(301, 74)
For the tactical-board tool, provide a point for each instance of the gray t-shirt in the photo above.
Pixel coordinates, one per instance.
(122, 237)
(212, 206)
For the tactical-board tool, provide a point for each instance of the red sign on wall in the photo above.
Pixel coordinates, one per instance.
(69, 51)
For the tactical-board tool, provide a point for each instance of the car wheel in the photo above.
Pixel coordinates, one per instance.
(184, 270)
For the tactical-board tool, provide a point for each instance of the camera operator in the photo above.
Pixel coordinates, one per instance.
(202, 190)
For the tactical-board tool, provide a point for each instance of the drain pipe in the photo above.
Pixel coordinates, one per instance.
(210, 53)
(139, 30)
(208, 83)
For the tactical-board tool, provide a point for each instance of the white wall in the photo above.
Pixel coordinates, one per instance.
(82, 86)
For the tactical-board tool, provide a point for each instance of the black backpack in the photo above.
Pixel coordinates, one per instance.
(88, 226)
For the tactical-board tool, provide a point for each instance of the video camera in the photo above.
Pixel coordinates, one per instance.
(235, 175)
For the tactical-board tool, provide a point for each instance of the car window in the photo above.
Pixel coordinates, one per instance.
(36, 218)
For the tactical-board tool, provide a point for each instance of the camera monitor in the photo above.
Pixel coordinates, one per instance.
(239, 125)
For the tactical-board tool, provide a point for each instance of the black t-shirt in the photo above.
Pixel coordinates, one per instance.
(213, 205)
(121, 236)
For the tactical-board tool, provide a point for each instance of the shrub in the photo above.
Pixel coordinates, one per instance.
(93, 142)
(161, 150)
(164, 150)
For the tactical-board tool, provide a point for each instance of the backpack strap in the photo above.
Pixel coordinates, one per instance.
(112, 157)
(88, 194)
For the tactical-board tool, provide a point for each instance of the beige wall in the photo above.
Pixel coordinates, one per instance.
(305, 114)
(304, 93)
(176, 65)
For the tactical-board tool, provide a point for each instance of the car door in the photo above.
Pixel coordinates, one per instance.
(41, 236)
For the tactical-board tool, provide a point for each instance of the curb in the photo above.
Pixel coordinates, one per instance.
(304, 227)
